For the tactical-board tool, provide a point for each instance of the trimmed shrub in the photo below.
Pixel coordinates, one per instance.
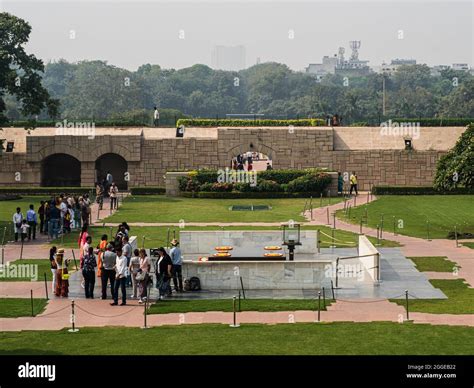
(226, 187)
(250, 123)
(267, 186)
(151, 190)
(236, 194)
(309, 183)
(431, 122)
(418, 190)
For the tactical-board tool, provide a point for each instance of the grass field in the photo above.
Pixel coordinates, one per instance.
(433, 263)
(36, 267)
(288, 339)
(159, 208)
(411, 214)
(156, 236)
(468, 244)
(460, 299)
(201, 305)
(20, 307)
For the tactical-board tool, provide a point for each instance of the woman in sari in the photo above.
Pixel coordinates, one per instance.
(62, 276)
(101, 249)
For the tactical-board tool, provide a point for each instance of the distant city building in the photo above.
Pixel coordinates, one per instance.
(228, 58)
(460, 66)
(391, 68)
(328, 66)
(436, 70)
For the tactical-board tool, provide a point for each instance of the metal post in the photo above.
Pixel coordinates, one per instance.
(242, 286)
(145, 313)
(428, 230)
(327, 212)
(168, 237)
(366, 216)
(21, 251)
(143, 242)
(46, 286)
(406, 298)
(394, 227)
(235, 324)
(360, 229)
(332, 291)
(334, 219)
(368, 196)
(381, 226)
(329, 197)
(337, 272)
(324, 298)
(378, 235)
(318, 241)
(73, 319)
(239, 302)
(456, 235)
(333, 239)
(349, 216)
(321, 200)
(32, 309)
(319, 306)
(74, 258)
(4, 233)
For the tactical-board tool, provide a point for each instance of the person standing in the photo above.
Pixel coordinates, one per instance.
(88, 272)
(127, 252)
(176, 270)
(156, 117)
(17, 222)
(32, 220)
(353, 180)
(163, 273)
(62, 276)
(54, 217)
(101, 248)
(24, 230)
(121, 272)
(145, 267)
(340, 183)
(54, 266)
(41, 213)
(113, 191)
(133, 270)
(108, 270)
(109, 179)
(99, 194)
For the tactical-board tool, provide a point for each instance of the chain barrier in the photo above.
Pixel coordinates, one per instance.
(106, 316)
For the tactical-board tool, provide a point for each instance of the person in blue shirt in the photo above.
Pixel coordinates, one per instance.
(32, 220)
(177, 268)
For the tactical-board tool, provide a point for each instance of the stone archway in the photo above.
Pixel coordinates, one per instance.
(60, 170)
(116, 165)
(265, 155)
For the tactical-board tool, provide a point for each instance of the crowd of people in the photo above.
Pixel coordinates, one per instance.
(244, 162)
(119, 268)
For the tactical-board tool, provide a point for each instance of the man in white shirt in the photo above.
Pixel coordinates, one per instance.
(17, 221)
(121, 272)
(156, 117)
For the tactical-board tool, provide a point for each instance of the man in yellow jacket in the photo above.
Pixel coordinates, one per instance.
(353, 180)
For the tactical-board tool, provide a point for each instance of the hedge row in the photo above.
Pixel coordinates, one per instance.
(152, 190)
(419, 190)
(97, 123)
(251, 194)
(428, 122)
(44, 190)
(250, 123)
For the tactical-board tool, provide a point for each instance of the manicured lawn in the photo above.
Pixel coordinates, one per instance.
(156, 236)
(288, 339)
(29, 268)
(20, 307)
(460, 299)
(159, 208)
(442, 211)
(433, 263)
(184, 306)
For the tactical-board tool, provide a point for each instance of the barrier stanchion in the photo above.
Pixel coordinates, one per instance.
(349, 216)
(239, 302)
(3, 244)
(324, 298)
(329, 197)
(428, 231)
(235, 324)
(32, 308)
(21, 250)
(332, 291)
(337, 272)
(318, 242)
(145, 313)
(456, 235)
(334, 220)
(143, 242)
(333, 239)
(73, 319)
(368, 196)
(360, 229)
(319, 306)
(394, 226)
(378, 236)
(406, 299)
(321, 200)
(46, 286)
(381, 226)
(327, 212)
(366, 216)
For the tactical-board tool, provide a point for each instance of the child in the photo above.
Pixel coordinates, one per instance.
(24, 230)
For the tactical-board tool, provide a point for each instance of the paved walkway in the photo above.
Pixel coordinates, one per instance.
(411, 246)
(99, 313)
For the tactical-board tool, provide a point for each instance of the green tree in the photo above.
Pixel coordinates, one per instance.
(456, 168)
(20, 73)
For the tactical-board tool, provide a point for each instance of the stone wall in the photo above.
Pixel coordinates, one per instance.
(150, 156)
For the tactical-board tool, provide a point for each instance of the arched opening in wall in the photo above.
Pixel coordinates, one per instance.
(116, 165)
(60, 170)
(251, 161)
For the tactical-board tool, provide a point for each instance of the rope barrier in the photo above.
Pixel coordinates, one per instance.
(336, 239)
(54, 312)
(105, 316)
(370, 301)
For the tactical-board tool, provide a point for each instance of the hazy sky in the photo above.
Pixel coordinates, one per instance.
(131, 33)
